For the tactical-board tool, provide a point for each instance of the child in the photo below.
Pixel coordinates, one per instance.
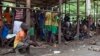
(21, 42)
(21, 35)
(48, 24)
(31, 33)
(54, 27)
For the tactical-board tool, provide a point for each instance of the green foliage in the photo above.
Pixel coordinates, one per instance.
(72, 8)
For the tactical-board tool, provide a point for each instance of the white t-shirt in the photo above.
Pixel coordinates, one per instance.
(17, 27)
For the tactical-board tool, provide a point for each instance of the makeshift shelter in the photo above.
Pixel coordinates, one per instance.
(47, 5)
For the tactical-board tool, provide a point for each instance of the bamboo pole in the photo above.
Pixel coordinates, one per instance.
(69, 8)
(88, 7)
(17, 3)
(85, 10)
(94, 12)
(97, 31)
(97, 11)
(59, 34)
(78, 19)
(28, 2)
(65, 6)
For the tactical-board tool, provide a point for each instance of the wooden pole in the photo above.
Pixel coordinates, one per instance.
(17, 3)
(85, 10)
(69, 8)
(88, 11)
(78, 19)
(32, 9)
(28, 2)
(88, 7)
(97, 28)
(65, 6)
(97, 12)
(94, 11)
(59, 34)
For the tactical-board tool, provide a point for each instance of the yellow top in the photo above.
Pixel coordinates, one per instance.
(48, 20)
(54, 19)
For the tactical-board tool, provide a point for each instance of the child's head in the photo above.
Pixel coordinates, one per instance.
(24, 27)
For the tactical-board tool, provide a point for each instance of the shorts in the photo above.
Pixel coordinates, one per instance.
(48, 27)
(54, 29)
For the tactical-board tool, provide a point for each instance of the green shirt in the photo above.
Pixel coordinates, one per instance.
(55, 21)
(31, 31)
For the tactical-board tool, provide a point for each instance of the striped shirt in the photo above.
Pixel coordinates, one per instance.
(19, 14)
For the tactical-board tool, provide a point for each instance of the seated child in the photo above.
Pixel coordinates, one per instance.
(21, 35)
(21, 41)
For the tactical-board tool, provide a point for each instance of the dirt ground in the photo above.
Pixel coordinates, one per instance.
(72, 48)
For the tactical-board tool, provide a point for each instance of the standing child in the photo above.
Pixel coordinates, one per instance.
(48, 24)
(54, 28)
(31, 33)
(32, 36)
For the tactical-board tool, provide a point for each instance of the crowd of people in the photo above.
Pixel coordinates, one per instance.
(87, 25)
(44, 27)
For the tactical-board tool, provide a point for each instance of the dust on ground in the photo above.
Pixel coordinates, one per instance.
(71, 48)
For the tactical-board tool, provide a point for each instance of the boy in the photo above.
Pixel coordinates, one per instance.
(54, 27)
(31, 33)
(20, 37)
(32, 37)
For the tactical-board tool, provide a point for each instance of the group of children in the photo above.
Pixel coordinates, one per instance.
(51, 26)
(28, 34)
